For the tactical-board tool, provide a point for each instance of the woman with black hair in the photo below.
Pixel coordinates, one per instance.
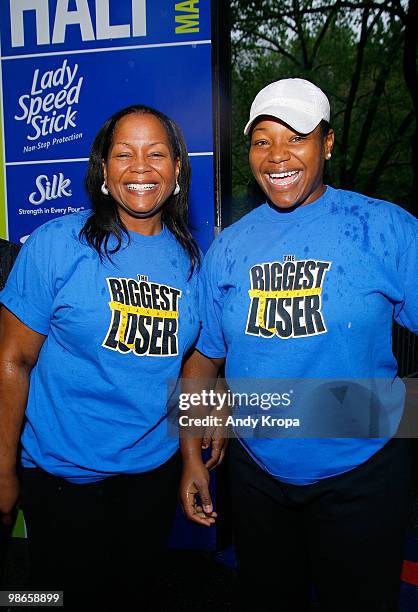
(98, 314)
(298, 300)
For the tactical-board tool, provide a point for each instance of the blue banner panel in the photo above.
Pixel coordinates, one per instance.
(53, 26)
(40, 192)
(67, 65)
(57, 104)
(202, 211)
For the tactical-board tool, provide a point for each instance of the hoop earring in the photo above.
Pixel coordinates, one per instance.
(177, 189)
(104, 189)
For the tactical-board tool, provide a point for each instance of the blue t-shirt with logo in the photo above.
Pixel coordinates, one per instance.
(308, 297)
(116, 332)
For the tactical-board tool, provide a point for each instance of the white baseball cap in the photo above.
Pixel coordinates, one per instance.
(297, 102)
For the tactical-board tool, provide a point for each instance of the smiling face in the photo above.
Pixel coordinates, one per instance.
(288, 166)
(140, 172)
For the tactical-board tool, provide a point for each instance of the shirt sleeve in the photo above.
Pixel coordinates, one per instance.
(406, 312)
(27, 293)
(211, 340)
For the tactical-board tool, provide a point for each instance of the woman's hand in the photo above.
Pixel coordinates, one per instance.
(215, 438)
(9, 495)
(199, 374)
(195, 484)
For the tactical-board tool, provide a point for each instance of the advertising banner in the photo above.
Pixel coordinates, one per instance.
(66, 66)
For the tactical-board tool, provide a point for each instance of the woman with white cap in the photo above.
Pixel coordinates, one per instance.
(306, 287)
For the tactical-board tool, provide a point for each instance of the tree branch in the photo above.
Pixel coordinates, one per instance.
(301, 36)
(370, 186)
(371, 113)
(330, 18)
(352, 95)
(393, 11)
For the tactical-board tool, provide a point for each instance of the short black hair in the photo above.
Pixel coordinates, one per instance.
(324, 128)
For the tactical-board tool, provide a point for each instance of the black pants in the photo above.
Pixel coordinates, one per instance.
(343, 535)
(102, 543)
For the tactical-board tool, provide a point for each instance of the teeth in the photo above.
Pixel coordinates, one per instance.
(284, 174)
(140, 187)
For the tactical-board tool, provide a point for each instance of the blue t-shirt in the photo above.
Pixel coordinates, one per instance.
(311, 294)
(116, 332)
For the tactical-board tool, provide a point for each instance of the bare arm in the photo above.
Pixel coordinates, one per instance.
(216, 436)
(19, 350)
(200, 373)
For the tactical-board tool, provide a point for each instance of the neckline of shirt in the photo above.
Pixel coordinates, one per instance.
(143, 240)
(135, 237)
(319, 207)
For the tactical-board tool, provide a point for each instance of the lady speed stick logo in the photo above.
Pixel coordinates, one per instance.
(144, 317)
(286, 298)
